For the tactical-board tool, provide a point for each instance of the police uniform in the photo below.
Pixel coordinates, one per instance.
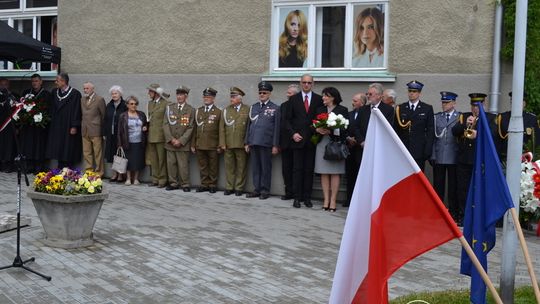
(530, 131)
(206, 142)
(178, 124)
(155, 149)
(263, 135)
(444, 156)
(466, 147)
(232, 136)
(414, 126)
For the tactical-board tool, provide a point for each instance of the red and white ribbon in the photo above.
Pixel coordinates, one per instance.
(16, 109)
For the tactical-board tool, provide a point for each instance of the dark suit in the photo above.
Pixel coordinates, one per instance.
(299, 121)
(286, 152)
(419, 134)
(352, 164)
(365, 114)
(530, 132)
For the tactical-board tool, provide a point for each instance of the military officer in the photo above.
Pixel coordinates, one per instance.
(178, 127)
(465, 132)
(232, 135)
(530, 129)
(155, 149)
(263, 140)
(205, 141)
(414, 124)
(445, 149)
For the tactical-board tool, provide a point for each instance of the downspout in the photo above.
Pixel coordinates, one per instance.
(496, 60)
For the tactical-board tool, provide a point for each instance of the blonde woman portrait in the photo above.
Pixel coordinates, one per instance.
(369, 39)
(293, 41)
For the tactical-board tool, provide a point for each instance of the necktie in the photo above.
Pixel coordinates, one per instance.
(412, 107)
(262, 105)
(447, 117)
(207, 109)
(306, 103)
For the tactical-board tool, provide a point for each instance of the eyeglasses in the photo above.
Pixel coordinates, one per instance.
(263, 93)
(307, 82)
(413, 91)
(132, 104)
(370, 94)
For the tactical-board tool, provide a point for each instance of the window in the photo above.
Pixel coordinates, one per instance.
(34, 18)
(330, 35)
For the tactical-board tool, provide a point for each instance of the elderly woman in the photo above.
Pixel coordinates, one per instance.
(114, 108)
(132, 128)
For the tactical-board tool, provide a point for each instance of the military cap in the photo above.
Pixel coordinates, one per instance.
(153, 87)
(415, 85)
(477, 97)
(448, 96)
(156, 88)
(209, 92)
(182, 89)
(237, 91)
(265, 86)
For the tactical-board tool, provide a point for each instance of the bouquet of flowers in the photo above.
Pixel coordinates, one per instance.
(68, 182)
(529, 198)
(329, 121)
(33, 111)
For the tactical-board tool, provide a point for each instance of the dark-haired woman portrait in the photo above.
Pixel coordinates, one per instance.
(330, 170)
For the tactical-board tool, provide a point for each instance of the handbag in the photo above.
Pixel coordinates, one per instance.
(120, 161)
(336, 150)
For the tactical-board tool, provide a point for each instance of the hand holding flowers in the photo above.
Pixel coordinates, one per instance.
(329, 121)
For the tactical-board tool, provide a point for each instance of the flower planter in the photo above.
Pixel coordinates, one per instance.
(68, 221)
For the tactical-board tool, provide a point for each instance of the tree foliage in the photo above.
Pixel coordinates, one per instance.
(532, 59)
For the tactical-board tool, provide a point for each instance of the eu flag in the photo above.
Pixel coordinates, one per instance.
(487, 201)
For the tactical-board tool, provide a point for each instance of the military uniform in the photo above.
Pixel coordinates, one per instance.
(466, 147)
(155, 149)
(444, 156)
(263, 135)
(178, 124)
(206, 141)
(414, 126)
(232, 136)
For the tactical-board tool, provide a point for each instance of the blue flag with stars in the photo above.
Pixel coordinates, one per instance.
(487, 201)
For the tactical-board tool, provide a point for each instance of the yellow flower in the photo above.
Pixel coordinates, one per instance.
(81, 181)
(87, 184)
(91, 189)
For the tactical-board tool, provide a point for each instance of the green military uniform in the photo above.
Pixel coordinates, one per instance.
(155, 150)
(232, 133)
(178, 124)
(206, 142)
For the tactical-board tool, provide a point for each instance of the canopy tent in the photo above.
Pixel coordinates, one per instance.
(17, 47)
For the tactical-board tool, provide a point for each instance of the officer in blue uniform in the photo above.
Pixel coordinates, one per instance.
(414, 124)
(445, 149)
(263, 140)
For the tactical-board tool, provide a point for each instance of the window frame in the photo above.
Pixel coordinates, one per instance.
(347, 72)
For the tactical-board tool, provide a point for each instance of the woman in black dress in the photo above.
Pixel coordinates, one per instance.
(114, 108)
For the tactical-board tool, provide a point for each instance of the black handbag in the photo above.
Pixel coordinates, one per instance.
(336, 150)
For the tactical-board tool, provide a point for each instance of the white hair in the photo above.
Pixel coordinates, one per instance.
(90, 83)
(391, 93)
(295, 87)
(116, 88)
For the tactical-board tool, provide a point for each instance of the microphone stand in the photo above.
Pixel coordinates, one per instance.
(21, 169)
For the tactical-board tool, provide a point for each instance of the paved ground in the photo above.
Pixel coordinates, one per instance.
(154, 246)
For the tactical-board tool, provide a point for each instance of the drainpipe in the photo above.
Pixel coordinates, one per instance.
(496, 62)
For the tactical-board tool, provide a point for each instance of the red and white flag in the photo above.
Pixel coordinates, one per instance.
(395, 215)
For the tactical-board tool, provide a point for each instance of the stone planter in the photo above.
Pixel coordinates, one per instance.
(68, 221)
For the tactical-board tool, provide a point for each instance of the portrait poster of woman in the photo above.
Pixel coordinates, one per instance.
(293, 37)
(368, 39)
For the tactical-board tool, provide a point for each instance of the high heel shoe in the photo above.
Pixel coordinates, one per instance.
(325, 208)
(332, 209)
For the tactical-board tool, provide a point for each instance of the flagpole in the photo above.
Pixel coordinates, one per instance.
(480, 269)
(526, 254)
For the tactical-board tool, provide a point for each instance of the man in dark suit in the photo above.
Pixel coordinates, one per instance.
(300, 114)
(284, 146)
(414, 124)
(352, 164)
(374, 97)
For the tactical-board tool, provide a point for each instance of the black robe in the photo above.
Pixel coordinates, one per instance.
(65, 114)
(33, 139)
(110, 128)
(7, 139)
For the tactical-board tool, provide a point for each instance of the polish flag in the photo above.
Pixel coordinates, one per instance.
(395, 216)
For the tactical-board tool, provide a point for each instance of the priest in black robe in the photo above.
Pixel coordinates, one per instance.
(64, 141)
(7, 139)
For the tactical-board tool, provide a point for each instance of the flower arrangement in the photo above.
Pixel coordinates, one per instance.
(329, 121)
(68, 182)
(33, 111)
(529, 198)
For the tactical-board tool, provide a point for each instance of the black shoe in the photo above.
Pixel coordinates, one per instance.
(287, 197)
(202, 189)
(253, 194)
(186, 189)
(264, 196)
(308, 203)
(238, 193)
(296, 204)
(169, 188)
(228, 192)
(212, 190)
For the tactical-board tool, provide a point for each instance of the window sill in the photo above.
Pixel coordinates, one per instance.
(25, 74)
(331, 76)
